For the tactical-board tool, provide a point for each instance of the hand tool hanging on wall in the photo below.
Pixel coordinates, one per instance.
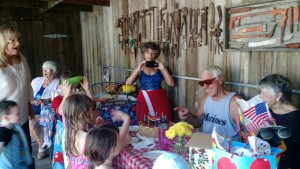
(283, 23)
(212, 16)
(274, 13)
(161, 24)
(298, 17)
(261, 28)
(153, 22)
(134, 28)
(199, 36)
(291, 19)
(217, 32)
(144, 30)
(267, 35)
(204, 25)
(184, 26)
(196, 13)
(247, 9)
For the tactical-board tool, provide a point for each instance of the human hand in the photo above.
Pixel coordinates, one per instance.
(160, 65)
(183, 112)
(36, 102)
(117, 115)
(65, 88)
(85, 83)
(142, 65)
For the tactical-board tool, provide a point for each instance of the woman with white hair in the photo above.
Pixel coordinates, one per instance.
(43, 88)
(276, 90)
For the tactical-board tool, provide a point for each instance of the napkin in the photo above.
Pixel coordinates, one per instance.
(147, 143)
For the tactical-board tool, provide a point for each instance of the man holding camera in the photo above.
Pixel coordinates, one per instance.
(150, 72)
(218, 107)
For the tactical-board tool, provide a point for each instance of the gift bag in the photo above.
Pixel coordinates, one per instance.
(226, 160)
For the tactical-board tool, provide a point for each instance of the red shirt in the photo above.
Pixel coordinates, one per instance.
(56, 103)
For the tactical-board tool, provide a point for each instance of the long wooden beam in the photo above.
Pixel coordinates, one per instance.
(23, 3)
(89, 2)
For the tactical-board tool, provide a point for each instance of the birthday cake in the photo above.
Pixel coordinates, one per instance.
(149, 128)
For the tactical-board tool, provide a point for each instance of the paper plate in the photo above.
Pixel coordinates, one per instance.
(154, 154)
(134, 140)
(138, 135)
(75, 81)
(134, 128)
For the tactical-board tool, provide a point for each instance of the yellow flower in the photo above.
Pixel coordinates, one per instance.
(128, 88)
(179, 129)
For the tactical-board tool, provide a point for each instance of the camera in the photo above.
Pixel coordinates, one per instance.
(151, 64)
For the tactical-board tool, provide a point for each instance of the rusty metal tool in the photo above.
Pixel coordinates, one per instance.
(192, 41)
(184, 12)
(298, 17)
(292, 45)
(191, 17)
(274, 12)
(267, 35)
(262, 28)
(199, 36)
(212, 16)
(283, 24)
(196, 13)
(153, 21)
(218, 31)
(291, 19)
(144, 30)
(204, 24)
(247, 9)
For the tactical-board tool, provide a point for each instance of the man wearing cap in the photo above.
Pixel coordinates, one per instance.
(217, 106)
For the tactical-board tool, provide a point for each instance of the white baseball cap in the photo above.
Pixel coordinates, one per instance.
(170, 161)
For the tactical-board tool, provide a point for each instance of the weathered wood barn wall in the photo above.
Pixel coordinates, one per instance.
(36, 47)
(101, 48)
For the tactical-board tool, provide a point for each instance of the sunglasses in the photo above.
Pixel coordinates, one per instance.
(207, 82)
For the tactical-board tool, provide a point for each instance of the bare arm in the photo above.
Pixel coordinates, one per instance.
(168, 78)
(133, 77)
(194, 119)
(66, 91)
(124, 131)
(234, 107)
(86, 88)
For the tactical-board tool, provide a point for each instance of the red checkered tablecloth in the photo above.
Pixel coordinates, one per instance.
(130, 158)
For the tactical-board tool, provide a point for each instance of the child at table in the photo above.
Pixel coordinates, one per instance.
(67, 89)
(80, 116)
(103, 144)
(14, 148)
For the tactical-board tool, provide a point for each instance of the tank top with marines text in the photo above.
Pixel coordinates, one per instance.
(216, 113)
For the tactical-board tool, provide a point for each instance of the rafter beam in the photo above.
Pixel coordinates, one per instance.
(23, 3)
(51, 4)
(89, 2)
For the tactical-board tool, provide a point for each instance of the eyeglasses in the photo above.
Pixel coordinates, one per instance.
(14, 41)
(207, 82)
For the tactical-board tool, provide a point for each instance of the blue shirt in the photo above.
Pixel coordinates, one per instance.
(150, 82)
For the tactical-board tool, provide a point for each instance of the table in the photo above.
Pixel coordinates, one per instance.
(130, 158)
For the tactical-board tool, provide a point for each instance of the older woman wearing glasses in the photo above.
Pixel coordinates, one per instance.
(43, 87)
(276, 90)
(15, 75)
(217, 106)
(151, 72)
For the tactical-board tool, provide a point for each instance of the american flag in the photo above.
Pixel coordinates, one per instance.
(257, 116)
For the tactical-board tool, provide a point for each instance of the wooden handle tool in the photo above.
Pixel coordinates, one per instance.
(262, 28)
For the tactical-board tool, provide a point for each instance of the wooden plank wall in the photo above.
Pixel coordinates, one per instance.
(36, 48)
(101, 47)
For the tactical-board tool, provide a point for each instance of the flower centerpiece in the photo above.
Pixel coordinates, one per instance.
(180, 129)
(128, 88)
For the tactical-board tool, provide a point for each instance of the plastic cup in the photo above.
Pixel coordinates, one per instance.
(164, 142)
